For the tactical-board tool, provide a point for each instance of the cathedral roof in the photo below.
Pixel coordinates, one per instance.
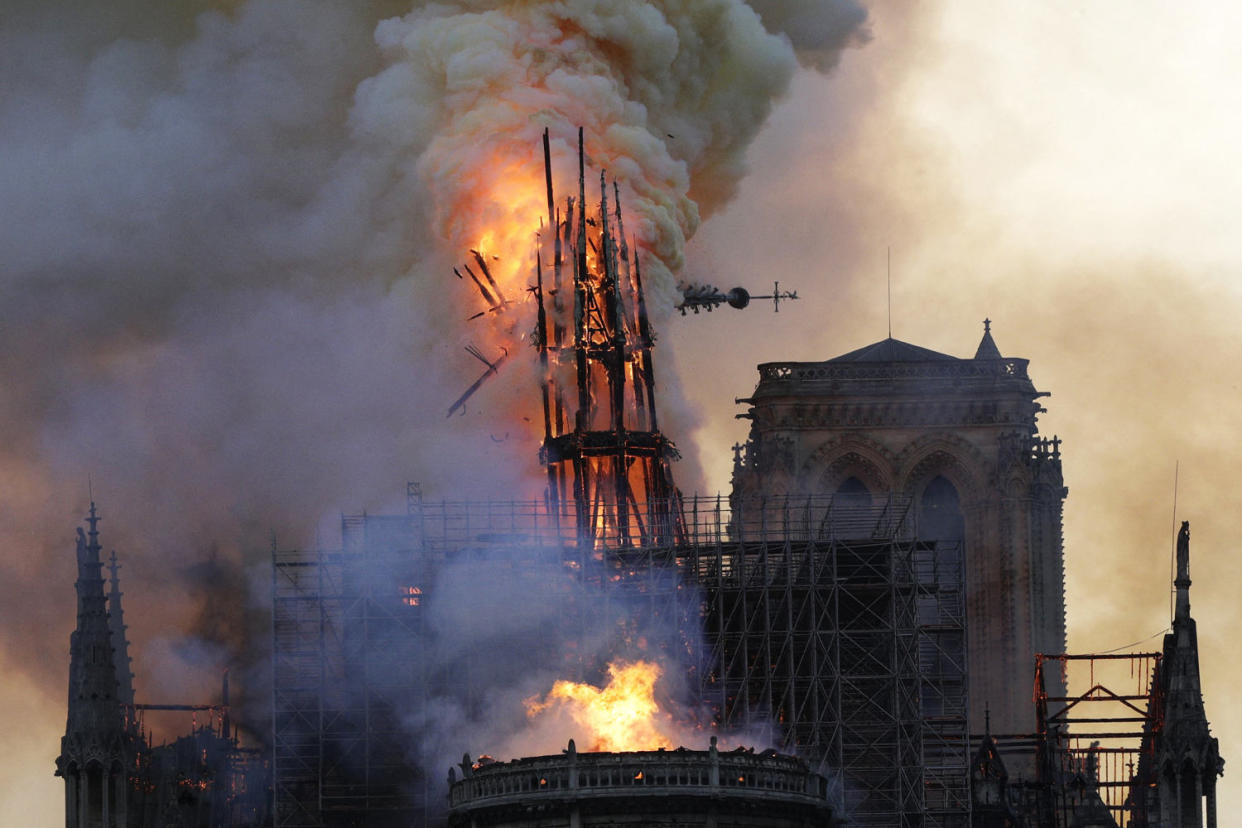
(893, 350)
(891, 370)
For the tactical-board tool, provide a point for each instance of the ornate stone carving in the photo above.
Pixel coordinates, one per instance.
(775, 454)
(853, 456)
(957, 460)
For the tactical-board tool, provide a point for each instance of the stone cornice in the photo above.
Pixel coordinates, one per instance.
(819, 377)
(922, 414)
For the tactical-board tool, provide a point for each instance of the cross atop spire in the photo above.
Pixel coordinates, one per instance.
(987, 347)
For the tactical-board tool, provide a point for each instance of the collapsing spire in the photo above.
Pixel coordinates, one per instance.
(602, 445)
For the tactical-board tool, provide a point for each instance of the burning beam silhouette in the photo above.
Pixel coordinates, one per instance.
(495, 297)
(492, 367)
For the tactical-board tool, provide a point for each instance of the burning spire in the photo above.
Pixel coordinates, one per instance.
(602, 445)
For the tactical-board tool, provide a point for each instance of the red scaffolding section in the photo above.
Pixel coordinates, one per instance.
(1090, 744)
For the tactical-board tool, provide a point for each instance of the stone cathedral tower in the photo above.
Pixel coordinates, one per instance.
(958, 437)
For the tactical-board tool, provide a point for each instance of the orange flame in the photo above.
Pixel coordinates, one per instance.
(499, 211)
(621, 716)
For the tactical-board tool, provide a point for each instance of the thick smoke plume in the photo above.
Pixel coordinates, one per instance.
(669, 94)
(502, 626)
(226, 258)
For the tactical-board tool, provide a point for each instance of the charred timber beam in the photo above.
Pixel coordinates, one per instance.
(545, 380)
(487, 294)
(478, 258)
(492, 367)
(606, 444)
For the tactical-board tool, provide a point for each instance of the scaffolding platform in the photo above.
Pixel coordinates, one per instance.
(826, 623)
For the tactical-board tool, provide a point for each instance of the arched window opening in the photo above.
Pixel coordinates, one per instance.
(851, 509)
(1191, 805)
(940, 512)
(942, 532)
(853, 491)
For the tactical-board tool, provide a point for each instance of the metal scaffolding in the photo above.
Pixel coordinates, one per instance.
(829, 625)
(1091, 744)
(834, 625)
(347, 664)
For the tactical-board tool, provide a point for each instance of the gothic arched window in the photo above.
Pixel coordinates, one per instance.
(853, 492)
(940, 512)
(940, 521)
(851, 509)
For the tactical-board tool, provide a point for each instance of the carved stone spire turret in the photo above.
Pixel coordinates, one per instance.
(988, 787)
(120, 644)
(1187, 756)
(93, 752)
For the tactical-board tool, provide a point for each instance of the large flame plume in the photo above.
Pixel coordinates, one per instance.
(620, 716)
(669, 94)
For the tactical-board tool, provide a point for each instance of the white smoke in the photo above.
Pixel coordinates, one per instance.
(669, 93)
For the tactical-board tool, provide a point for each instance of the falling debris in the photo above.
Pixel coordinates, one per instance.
(492, 367)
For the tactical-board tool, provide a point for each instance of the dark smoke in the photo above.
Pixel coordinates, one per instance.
(225, 300)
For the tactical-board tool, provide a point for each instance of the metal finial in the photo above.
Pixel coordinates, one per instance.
(987, 325)
(708, 297)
